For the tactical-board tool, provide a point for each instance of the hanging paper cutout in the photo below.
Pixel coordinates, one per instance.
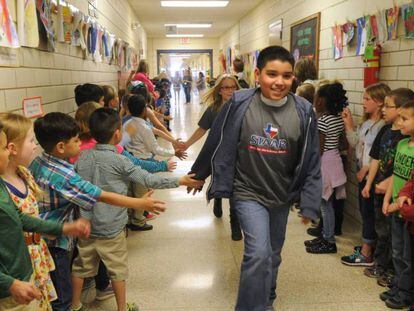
(337, 42)
(381, 19)
(8, 34)
(407, 13)
(374, 28)
(67, 24)
(361, 36)
(392, 22)
(44, 9)
(348, 30)
(77, 28)
(27, 27)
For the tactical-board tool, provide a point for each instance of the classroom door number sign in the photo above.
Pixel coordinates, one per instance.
(32, 107)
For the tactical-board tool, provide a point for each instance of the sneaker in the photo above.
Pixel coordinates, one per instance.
(357, 259)
(131, 306)
(396, 303)
(317, 232)
(144, 227)
(386, 279)
(384, 296)
(322, 248)
(107, 293)
(374, 272)
(217, 210)
(315, 241)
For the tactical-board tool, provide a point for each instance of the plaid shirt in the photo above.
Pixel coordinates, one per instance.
(63, 190)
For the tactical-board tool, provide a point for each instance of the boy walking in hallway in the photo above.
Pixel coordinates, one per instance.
(263, 150)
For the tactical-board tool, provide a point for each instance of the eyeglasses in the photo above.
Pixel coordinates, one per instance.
(228, 88)
(389, 106)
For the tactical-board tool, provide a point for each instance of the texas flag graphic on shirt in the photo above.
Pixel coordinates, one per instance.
(269, 144)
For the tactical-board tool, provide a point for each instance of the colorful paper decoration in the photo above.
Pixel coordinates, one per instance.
(8, 34)
(374, 28)
(361, 36)
(44, 8)
(348, 30)
(27, 26)
(407, 13)
(392, 22)
(337, 42)
(381, 18)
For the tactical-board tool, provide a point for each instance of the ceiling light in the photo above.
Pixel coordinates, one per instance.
(194, 4)
(185, 36)
(207, 25)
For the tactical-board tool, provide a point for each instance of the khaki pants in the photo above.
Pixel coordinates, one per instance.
(137, 217)
(10, 305)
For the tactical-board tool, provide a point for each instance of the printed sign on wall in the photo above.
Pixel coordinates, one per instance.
(32, 107)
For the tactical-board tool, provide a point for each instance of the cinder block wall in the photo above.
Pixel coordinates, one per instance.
(397, 62)
(55, 75)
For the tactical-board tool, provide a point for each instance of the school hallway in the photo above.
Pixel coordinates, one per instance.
(189, 262)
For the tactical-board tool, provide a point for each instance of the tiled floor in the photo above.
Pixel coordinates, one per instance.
(189, 262)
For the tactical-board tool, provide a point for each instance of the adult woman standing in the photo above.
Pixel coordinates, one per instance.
(187, 83)
(201, 84)
(215, 98)
(141, 74)
(177, 81)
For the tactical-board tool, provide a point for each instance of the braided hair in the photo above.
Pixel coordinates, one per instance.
(334, 95)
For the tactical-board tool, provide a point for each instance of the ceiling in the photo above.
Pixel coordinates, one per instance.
(153, 17)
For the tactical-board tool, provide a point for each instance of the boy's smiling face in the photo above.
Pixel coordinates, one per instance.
(406, 121)
(275, 79)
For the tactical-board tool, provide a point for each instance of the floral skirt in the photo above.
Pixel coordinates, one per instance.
(42, 263)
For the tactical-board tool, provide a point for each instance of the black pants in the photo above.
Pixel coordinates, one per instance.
(187, 92)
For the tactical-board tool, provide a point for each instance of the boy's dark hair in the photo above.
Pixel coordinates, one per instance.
(162, 93)
(401, 96)
(274, 52)
(334, 95)
(238, 65)
(103, 123)
(88, 92)
(136, 105)
(408, 105)
(141, 89)
(53, 128)
(109, 94)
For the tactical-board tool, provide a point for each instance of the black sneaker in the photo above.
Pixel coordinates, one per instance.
(384, 296)
(374, 272)
(315, 241)
(145, 227)
(386, 279)
(396, 303)
(322, 248)
(317, 232)
(217, 210)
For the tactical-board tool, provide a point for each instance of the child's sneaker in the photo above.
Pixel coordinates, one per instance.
(374, 272)
(315, 241)
(397, 303)
(386, 279)
(317, 231)
(131, 306)
(357, 259)
(322, 248)
(107, 293)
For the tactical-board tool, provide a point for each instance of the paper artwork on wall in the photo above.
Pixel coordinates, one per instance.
(27, 27)
(407, 13)
(337, 42)
(8, 33)
(392, 22)
(381, 19)
(361, 36)
(374, 29)
(348, 30)
(44, 9)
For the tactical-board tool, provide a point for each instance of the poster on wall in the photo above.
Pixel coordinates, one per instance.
(304, 38)
(361, 36)
(27, 27)
(392, 22)
(32, 107)
(337, 42)
(8, 33)
(407, 13)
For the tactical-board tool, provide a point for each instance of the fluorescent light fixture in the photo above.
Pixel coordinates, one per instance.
(194, 4)
(185, 36)
(206, 25)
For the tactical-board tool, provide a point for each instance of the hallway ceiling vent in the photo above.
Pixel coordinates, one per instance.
(171, 30)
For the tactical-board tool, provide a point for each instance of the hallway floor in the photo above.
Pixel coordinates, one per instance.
(189, 262)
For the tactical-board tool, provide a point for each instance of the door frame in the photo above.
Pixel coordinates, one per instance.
(182, 51)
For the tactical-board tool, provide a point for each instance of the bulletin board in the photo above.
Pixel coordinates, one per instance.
(304, 38)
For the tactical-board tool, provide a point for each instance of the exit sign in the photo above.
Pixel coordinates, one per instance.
(185, 40)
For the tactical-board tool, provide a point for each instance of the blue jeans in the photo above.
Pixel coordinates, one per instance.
(264, 234)
(401, 257)
(328, 217)
(366, 207)
(62, 279)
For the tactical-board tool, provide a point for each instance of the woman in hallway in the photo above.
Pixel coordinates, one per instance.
(142, 75)
(187, 83)
(215, 98)
(177, 81)
(201, 84)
